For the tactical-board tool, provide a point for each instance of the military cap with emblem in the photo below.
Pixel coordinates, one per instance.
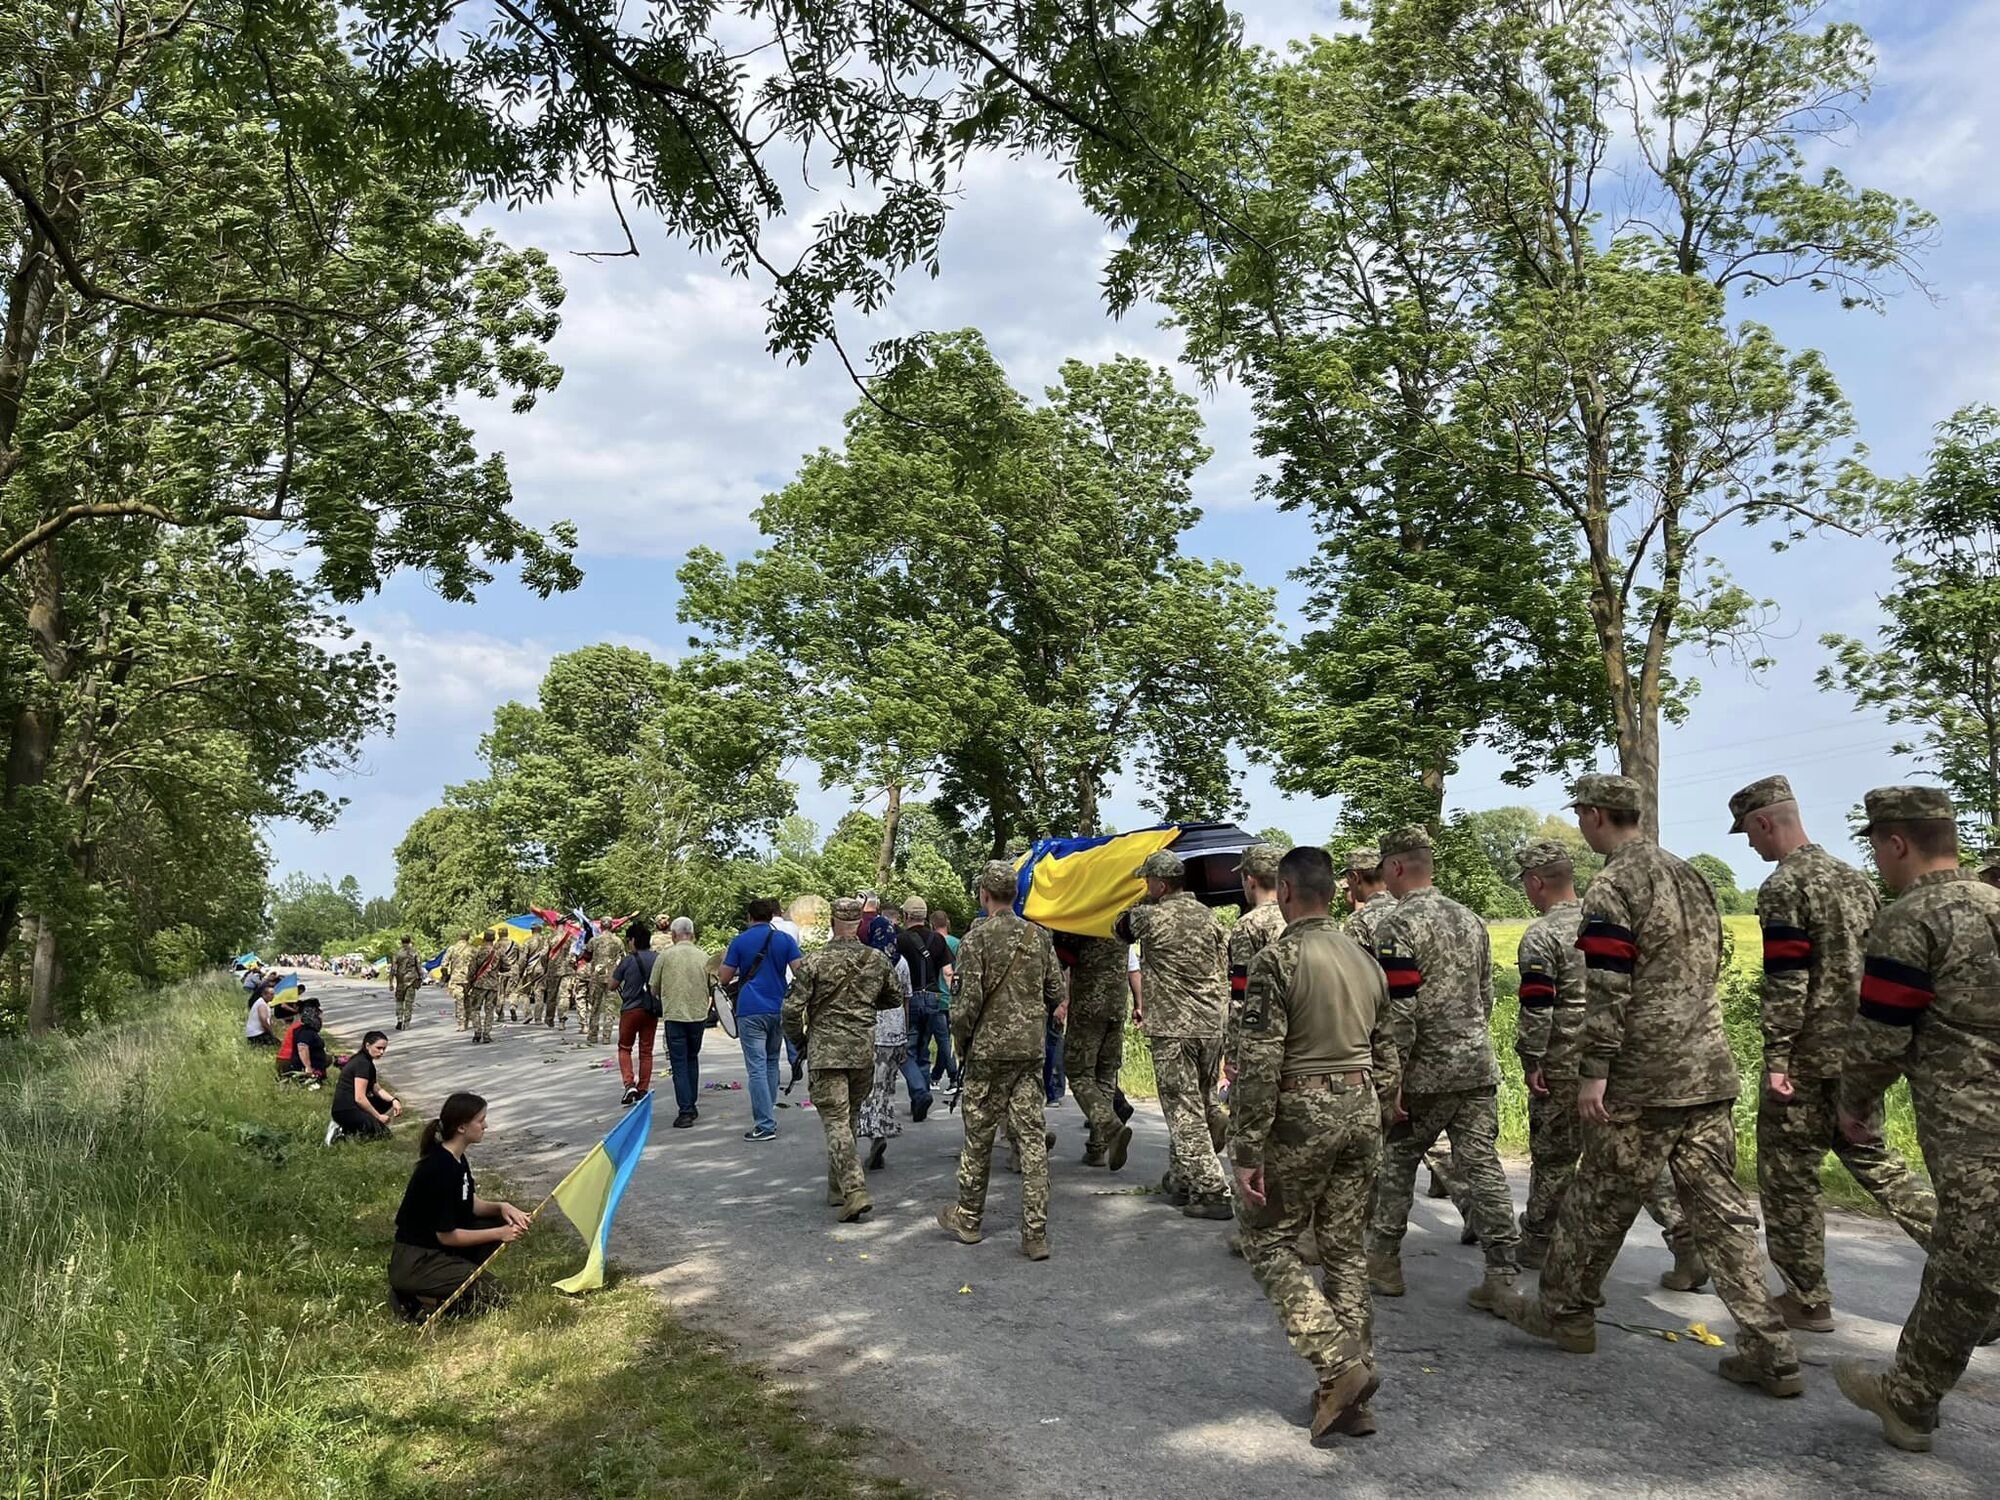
(1363, 859)
(847, 909)
(1757, 796)
(1539, 854)
(1261, 860)
(1616, 793)
(1403, 841)
(1162, 864)
(1906, 804)
(998, 879)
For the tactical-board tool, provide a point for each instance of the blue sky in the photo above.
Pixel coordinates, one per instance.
(672, 422)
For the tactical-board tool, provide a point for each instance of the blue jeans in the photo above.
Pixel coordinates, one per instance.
(1052, 1064)
(684, 1059)
(915, 1078)
(763, 1042)
(928, 1021)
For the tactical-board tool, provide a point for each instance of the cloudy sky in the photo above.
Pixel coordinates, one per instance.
(671, 423)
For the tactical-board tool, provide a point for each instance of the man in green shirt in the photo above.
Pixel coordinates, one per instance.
(680, 981)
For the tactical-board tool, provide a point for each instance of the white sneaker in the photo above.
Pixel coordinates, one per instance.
(333, 1131)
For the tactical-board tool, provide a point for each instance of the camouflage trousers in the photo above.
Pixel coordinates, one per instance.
(486, 1010)
(1621, 1160)
(600, 1015)
(1960, 1291)
(1009, 1092)
(1473, 1118)
(1793, 1137)
(1319, 1174)
(1555, 1145)
(549, 996)
(1093, 1052)
(1184, 1068)
(406, 1003)
(519, 999)
(461, 1006)
(838, 1094)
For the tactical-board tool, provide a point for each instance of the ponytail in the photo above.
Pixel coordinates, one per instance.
(459, 1111)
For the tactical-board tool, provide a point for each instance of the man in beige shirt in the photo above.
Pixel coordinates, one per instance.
(680, 981)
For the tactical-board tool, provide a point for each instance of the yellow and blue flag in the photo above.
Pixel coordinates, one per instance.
(589, 1195)
(1080, 885)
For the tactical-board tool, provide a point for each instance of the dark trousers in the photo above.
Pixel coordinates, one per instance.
(684, 1062)
(351, 1120)
(1052, 1064)
(916, 1077)
(930, 1021)
(635, 1032)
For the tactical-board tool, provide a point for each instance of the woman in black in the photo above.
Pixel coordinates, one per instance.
(361, 1106)
(444, 1230)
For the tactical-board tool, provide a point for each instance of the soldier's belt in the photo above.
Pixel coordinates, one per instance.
(1301, 1083)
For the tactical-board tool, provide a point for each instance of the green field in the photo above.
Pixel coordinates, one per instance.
(1740, 999)
(194, 1306)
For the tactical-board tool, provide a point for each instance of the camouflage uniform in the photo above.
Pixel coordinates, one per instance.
(1361, 924)
(1183, 967)
(1312, 1029)
(1815, 912)
(1254, 931)
(525, 998)
(1009, 981)
(1930, 1012)
(458, 980)
(601, 1014)
(1652, 945)
(406, 973)
(554, 970)
(829, 1014)
(1094, 1040)
(506, 972)
(1550, 1037)
(1437, 959)
(485, 989)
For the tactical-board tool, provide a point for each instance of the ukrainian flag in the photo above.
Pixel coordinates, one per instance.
(1081, 885)
(589, 1195)
(520, 928)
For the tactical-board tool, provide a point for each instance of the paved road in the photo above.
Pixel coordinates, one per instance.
(1141, 1359)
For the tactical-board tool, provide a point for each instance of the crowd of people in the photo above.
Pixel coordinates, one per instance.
(1308, 1066)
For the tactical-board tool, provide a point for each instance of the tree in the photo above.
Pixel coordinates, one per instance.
(1936, 668)
(1722, 880)
(990, 595)
(454, 873)
(308, 910)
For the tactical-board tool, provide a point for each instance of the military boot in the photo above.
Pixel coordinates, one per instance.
(952, 1220)
(1337, 1397)
(1385, 1273)
(1437, 1187)
(1035, 1247)
(1740, 1369)
(1095, 1154)
(1813, 1317)
(1121, 1143)
(1209, 1206)
(854, 1205)
(1527, 1315)
(1865, 1389)
(1170, 1187)
(1488, 1295)
(1690, 1272)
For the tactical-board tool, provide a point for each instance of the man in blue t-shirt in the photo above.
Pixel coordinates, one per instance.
(762, 956)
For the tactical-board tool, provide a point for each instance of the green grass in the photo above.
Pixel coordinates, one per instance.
(194, 1308)
(1741, 988)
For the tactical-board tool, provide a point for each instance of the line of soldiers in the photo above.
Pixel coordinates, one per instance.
(540, 981)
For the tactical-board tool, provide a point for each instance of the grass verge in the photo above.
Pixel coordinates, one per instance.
(195, 1308)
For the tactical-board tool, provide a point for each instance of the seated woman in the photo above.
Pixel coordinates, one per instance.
(444, 1229)
(258, 1028)
(302, 1054)
(361, 1106)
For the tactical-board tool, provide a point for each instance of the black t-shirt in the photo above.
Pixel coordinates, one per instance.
(358, 1067)
(308, 1050)
(438, 1198)
(927, 955)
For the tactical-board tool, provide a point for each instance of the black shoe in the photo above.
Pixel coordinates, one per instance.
(919, 1108)
(1121, 1106)
(683, 1120)
(877, 1154)
(630, 1098)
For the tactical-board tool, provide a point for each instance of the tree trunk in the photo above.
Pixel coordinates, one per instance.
(28, 750)
(892, 815)
(44, 977)
(1086, 804)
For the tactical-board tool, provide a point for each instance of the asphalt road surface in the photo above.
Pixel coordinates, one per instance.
(1141, 1360)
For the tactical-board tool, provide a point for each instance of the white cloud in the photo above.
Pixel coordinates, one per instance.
(1929, 129)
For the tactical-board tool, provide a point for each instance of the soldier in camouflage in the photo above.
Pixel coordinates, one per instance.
(485, 986)
(1254, 931)
(829, 1014)
(1815, 912)
(458, 979)
(1316, 1070)
(1550, 1045)
(554, 970)
(1094, 1041)
(1009, 983)
(1437, 960)
(507, 974)
(534, 968)
(1930, 1012)
(1183, 966)
(603, 952)
(406, 975)
(1658, 1083)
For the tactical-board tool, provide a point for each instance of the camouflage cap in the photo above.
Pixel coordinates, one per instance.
(998, 879)
(1757, 796)
(1161, 864)
(1540, 854)
(1363, 859)
(914, 909)
(1403, 840)
(1260, 860)
(1906, 804)
(847, 909)
(1618, 793)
